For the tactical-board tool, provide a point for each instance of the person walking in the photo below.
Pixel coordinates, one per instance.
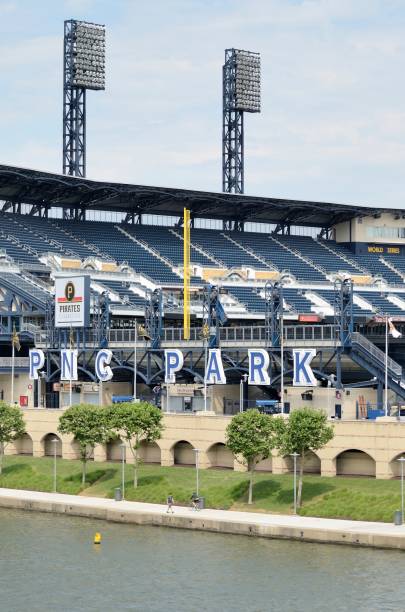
(170, 502)
(195, 502)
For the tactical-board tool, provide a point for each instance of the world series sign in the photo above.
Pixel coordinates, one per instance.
(72, 301)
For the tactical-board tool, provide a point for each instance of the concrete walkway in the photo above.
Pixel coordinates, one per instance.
(360, 533)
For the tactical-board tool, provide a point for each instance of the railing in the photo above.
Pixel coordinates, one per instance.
(240, 335)
(35, 281)
(324, 333)
(30, 328)
(376, 353)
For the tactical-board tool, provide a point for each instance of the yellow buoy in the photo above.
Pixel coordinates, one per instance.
(97, 538)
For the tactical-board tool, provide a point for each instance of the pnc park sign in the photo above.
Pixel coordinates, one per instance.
(258, 365)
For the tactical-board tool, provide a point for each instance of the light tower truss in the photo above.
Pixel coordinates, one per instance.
(241, 93)
(83, 68)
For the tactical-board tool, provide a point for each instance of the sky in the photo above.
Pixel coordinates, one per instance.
(332, 126)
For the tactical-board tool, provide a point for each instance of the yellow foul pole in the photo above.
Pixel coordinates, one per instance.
(186, 275)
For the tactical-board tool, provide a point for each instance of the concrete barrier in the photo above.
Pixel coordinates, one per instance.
(309, 529)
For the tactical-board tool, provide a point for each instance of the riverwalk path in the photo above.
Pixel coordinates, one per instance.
(304, 528)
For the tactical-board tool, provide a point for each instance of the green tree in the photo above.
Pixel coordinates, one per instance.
(12, 427)
(251, 436)
(135, 422)
(305, 430)
(88, 424)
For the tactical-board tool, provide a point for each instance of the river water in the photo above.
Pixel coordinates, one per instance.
(49, 563)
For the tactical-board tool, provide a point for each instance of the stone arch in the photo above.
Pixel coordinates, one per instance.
(183, 453)
(355, 462)
(395, 466)
(265, 466)
(220, 456)
(75, 451)
(24, 445)
(49, 447)
(312, 463)
(113, 450)
(150, 452)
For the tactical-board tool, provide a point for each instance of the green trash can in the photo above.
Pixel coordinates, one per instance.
(117, 494)
(397, 517)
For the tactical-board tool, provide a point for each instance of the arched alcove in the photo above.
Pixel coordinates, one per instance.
(183, 453)
(49, 445)
(219, 456)
(355, 462)
(23, 446)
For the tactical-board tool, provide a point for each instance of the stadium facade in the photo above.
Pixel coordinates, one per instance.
(268, 274)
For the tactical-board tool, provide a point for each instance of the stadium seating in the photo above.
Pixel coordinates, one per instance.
(108, 238)
(315, 252)
(167, 244)
(249, 297)
(296, 299)
(368, 262)
(121, 288)
(279, 257)
(223, 250)
(155, 251)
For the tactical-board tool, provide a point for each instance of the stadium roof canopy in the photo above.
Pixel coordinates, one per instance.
(43, 189)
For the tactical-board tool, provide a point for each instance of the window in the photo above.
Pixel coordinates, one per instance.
(386, 232)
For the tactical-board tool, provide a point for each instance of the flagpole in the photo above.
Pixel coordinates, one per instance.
(135, 360)
(386, 368)
(282, 360)
(70, 369)
(12, 372)
(205, 376)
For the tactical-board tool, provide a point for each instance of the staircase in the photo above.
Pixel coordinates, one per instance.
(200, 250)
(391, 267)
(309, 262)
(92, 247)
(343, 257)
(148, 248)
(367, 355)
(251, 253)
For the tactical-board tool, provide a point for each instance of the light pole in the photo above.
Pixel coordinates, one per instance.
(54, 442)
(294, 456)
(197, 484)
(386, 369)
(282, 359)
(401, 460)
(123, 457)
(205, 371)
(135, 359)
(241, 402)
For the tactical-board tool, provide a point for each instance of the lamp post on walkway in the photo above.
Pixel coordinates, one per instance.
(123, 457)
(294, 456)
(401, 460)
(197, 466)
(54, 442)
(242, 381)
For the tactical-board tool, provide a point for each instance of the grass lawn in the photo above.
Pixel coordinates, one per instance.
(353, 498)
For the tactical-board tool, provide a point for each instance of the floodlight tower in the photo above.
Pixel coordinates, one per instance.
(241, 93)
(83, 68)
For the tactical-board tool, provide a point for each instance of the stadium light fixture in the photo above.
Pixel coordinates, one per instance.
(88, 61)
(84, 68)
(241, 93)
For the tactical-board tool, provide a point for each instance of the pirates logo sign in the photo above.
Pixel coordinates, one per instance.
(70, 291)
(72, 301)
